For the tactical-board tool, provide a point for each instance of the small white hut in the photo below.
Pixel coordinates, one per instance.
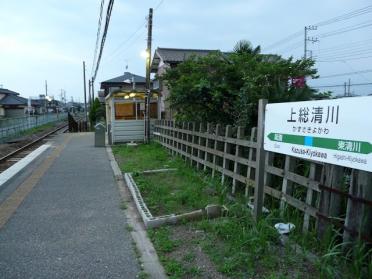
(125, 115)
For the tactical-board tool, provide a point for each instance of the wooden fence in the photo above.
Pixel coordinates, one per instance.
(322, 193)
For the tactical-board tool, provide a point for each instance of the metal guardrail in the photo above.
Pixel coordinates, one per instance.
(14, 126)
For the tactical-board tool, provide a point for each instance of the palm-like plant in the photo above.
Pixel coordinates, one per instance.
(244, 46)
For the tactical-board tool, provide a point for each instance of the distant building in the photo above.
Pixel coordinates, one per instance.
(11, 104)
(165, 58)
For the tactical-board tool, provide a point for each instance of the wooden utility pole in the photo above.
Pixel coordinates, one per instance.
(85, 94)
(46, 94)
(148, 89)
(90, 98)
(92, 84)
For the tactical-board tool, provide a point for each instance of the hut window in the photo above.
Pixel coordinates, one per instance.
(125, 111)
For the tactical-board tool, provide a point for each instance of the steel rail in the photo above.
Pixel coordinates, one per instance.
(6, 157)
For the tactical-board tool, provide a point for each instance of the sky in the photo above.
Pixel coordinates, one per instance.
(49, 39)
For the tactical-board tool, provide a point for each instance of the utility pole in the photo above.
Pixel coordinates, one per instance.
(345, 92)
(46, 94)
(85, 95)
(348, 89)
(148, 89)
(309, 39)
(92, 91)
(90, 98)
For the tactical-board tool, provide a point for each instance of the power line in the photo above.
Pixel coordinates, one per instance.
(343, 17)
(346, 29)
(342, 85)
(98, 34)
(285, 40)
(107, 22)
(345, 46)
(158, 5)
(346, 16)
(125, 42)
(343, 60)
(356, 55)
(346, 74)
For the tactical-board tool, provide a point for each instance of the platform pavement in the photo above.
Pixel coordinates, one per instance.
(70, 224)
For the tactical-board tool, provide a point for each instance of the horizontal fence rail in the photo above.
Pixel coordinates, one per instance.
(307, 186)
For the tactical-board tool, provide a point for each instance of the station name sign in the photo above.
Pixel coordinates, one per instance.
(337, 131)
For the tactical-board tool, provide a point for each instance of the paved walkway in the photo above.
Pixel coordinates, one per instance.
(70, 225)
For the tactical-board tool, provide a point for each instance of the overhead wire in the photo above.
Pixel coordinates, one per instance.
(346, 74)
(98, 35)
(344, 59)
(346, 29)
(339, 85)
(346, 16)
(131, 39)
(103, 39)
(125, 42)
(343, 17)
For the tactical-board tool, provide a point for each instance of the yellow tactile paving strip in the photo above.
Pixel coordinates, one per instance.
(10, 205)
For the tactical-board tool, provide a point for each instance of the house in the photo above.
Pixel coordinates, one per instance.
(165, 58)
(11, 104)
(127, 81)
(125, 108)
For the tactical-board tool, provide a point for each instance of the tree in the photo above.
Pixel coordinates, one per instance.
(97, 112)
(225, 88)
(244, 46)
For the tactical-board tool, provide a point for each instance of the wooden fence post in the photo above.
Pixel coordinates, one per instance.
(286, 184)
(226, 150)
(193, 129)
(260, 161)
(250, 159)
(359, 213)
(217, 133)
(309, 197)
(207, 145)
(330, 203)
(238, 152)
(199, 145)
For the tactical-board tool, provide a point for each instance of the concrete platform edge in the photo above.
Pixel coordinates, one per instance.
(148, 255)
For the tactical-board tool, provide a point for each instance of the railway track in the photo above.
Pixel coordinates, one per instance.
(16, 155)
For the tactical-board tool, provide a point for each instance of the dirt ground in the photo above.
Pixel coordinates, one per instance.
(190, 253)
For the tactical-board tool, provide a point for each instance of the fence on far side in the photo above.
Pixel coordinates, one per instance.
(10, 127)
(321, 193)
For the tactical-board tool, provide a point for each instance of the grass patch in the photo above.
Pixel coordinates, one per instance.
(178, 191)
(142, 157)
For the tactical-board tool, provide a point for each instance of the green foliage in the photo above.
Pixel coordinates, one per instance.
(225, 88)
(97, 112)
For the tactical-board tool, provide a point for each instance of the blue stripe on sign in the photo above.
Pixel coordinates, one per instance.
(309, 141)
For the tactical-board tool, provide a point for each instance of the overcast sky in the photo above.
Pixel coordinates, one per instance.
(48, 39)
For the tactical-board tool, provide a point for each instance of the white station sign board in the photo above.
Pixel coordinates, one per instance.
(337, 131)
